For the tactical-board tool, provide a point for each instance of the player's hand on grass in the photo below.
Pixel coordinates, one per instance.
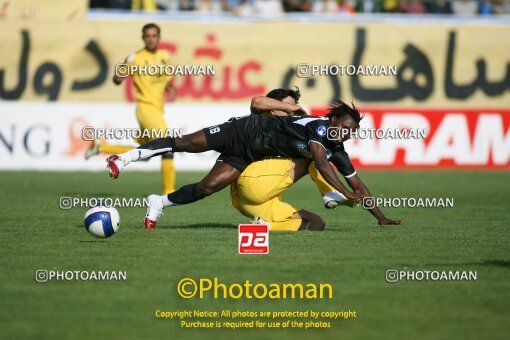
(386, 221)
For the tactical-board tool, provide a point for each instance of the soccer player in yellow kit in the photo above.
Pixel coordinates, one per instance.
(149, 95)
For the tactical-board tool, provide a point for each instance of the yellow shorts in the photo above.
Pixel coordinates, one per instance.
(150, 118)
(257, 192)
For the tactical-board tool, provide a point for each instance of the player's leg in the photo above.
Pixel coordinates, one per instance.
(146, 114)
(257, 194)
(153, 125)
(331, 197)
(223, 137)
(279, 215)
(220, 176)
(113, 149)
(195, 143)
(168, 172)
(265, 179)
(98, 146)
(314, 221)
(291, 171)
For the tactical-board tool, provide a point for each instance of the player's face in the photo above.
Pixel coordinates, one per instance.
(347, 126)
(151, 39)
(288, 100)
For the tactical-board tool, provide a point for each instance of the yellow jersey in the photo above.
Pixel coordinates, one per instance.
(150, 87)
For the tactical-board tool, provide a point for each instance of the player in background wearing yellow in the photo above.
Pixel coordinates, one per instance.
(149, 95)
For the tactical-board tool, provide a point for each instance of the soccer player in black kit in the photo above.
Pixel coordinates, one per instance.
(246, 139)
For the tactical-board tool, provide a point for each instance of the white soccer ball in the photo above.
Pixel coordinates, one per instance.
(102, 221)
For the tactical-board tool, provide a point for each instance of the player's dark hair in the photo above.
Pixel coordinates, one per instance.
(340, 108)
(280, 94)
(149, 26)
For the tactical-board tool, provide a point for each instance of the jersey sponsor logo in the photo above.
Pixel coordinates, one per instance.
(214, 129)
(253, 239)
(304, 150)
(321, 130)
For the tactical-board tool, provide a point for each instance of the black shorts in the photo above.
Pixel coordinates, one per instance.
(237, 162)
(226, 138)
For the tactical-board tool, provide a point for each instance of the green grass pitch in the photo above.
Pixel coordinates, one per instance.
(200, 240)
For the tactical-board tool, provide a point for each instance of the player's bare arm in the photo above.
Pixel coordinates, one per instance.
(358, 186)
(326, 170)
(266, 105)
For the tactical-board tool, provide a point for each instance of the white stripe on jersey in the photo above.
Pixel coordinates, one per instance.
(319, 144)
(304, 121)
(349, 176)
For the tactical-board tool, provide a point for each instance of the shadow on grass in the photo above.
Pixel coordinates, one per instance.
(93, 241)
(234, 226)
(497, 263)
(200, 226)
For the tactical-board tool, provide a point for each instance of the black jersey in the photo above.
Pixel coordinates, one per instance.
(289, 137)
(255, 137)
(342, 162)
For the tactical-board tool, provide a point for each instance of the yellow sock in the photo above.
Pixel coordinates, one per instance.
(113, 149)
(320, 182)
(168, 174)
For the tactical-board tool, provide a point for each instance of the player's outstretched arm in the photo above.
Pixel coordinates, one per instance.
(358, 186)
(264, 105)
(326, 170)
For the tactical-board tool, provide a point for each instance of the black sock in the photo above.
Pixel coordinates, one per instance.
(159, 144)
(186, 194)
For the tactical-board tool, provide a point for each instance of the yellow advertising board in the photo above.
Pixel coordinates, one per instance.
(441, 65)
(43, 9)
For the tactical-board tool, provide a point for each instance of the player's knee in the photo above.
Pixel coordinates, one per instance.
(207, 188)
(320, 224)
(181, 143)
(316, 224)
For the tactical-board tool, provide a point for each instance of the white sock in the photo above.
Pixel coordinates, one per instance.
(335, 195)
(134, 155)
(166, 202)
